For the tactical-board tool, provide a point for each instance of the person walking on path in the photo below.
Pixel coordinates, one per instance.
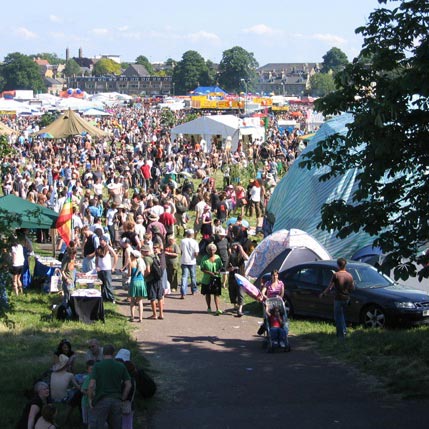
(104, 255)
(137, 286)
(211, 264)
(342, 282)
(189, 249)
(153, 279)
(109, 386)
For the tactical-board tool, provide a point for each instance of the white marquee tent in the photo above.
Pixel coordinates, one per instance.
(218, 125)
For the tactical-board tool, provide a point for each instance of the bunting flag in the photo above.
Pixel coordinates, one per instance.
(64, 221)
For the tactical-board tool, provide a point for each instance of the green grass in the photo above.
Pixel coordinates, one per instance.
(397, 358)
(29, 339)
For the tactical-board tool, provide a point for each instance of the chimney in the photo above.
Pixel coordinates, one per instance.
(80, 52)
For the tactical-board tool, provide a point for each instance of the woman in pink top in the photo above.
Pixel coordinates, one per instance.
(273, 287)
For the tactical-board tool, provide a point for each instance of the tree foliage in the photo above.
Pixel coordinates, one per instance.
(19, 71)
(142, 60)
(334, 61)
(387, 89)
(52, 58)
(322, 84)
(106, 66)
(237, 64)
(72, 68)
(190, 72)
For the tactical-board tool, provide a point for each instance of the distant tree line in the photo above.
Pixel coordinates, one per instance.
(236, 72)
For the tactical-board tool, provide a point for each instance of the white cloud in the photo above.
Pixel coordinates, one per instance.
(100, 31)
(329, 39)
(123, 28)
(262, 30)
(25, 33)
(55, 18)
(202, 36)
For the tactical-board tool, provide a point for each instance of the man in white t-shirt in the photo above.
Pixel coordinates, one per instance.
(189, 252)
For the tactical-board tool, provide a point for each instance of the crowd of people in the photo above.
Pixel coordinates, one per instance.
(133, 196)
(104, 394)
(138, 214)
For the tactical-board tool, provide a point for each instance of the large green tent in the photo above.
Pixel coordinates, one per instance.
(24, 214)
(70, 124)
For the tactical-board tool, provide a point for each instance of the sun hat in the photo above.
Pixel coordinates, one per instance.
(221, 231)
(146, 248)
(63, 361)
(136, 253)
(153, 217)
(123, 354)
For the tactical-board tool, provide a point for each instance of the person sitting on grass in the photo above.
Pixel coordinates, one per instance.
(65, 348)
(47, 419)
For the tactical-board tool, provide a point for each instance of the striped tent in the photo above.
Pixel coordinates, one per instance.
(298, 198)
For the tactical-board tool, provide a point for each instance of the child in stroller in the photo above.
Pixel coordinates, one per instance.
(276, 325)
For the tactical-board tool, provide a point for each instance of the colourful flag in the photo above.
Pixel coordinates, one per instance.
(64, 221)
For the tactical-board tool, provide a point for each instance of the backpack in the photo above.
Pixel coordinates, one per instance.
(156, 269)
(145, 384)
(180, 207)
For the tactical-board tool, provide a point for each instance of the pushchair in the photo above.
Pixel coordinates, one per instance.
(276, 337)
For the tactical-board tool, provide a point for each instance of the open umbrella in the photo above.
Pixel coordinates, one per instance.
(233, 221)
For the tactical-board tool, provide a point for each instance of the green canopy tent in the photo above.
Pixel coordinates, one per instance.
(24, 214)
(70, 124)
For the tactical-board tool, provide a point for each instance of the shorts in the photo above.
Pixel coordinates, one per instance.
(17, 270)
(155, 290)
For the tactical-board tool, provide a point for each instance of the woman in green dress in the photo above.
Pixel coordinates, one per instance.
(137, 286)
(211, 265)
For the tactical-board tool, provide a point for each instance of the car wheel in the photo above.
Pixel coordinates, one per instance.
(289, 307)
(373, 316)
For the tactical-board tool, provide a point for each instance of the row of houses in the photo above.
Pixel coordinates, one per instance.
(289, 79)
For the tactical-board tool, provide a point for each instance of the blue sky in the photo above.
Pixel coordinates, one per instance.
(285, 31)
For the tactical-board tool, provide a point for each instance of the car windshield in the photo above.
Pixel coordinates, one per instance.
(369, 277)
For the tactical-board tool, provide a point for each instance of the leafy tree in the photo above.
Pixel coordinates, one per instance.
(168, 119)
(19, 71)
(334, 60)
(52, 58)
(322, 84)
(142, 60)
(170, 64)
(72, 68)
(237, 64)
(387, 141)
(106, 66)
(190, 72)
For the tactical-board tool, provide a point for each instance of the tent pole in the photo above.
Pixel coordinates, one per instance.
(54, 240)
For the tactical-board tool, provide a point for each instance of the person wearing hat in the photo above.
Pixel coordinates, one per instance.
(104, 255)
(137, 286)
(155, 224)
(155, 289)
(189, 251)
(61, 380)
(211, 265)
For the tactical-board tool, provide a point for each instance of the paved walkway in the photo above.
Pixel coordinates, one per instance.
(213, 373)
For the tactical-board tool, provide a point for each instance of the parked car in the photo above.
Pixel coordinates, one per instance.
(377, 300)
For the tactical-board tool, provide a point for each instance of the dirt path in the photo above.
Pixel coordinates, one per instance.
(213, 373)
